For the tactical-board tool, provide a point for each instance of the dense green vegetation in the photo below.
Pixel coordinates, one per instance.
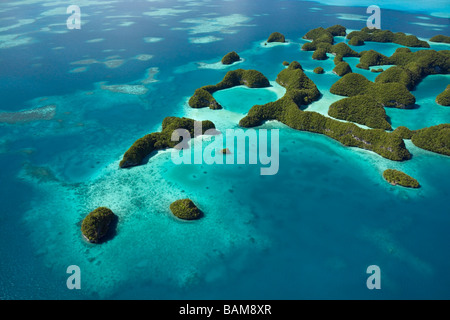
(318, 70)
(160, 140)
(285, 63)
(377, 35)
(440, 38)
(342, 68)
(343, 50)
(356, 41)
(376, 70)
(203, 99)
(360, 109)
(403, 132)
(411, 67)
(444, 98)
(97, 224)
(185, 209)
(251, 78)
(320, 54)
(389, 95)
(276, 37)
(287, 110)
(322, 38)
(396, 177)
(435, 139)
(373, 58)
(230, 58)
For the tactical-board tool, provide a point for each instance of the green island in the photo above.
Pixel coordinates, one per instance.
(97, 224)
(230, 58)
(435, 139)
(342, 68)
(318, 70)
(440, 38)
(285, 63)
(144, 146)
(377, 70)
(251, 78)
(387, 94)
(322, 38)
(356, 41)
(377, 35)
(403, 132)
(276, 37)
(300, 90)
(444, 98)
(361, 109)
(409, 68)
(396, 177)
(320, 54)
(185, 209)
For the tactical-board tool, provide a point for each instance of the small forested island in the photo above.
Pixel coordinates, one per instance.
(320, 54)
(403, 132)
(396, 177)
(144, 146)
(285, 63)
(360, 109)
(276, 37)
(251, 78)
(378, 35)
(318, 70)
(230, 58)
(440, 38)
(322, 38)
(356, 41)
(435, 138)
(185, 209)
(387, 94)
(342, 68)
(97, 224)
(300, 90)
(444, 98)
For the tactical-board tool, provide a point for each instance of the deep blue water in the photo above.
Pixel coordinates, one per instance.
(308, 232)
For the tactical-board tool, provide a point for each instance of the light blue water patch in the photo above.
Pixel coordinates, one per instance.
(428, 112)
(241, 99)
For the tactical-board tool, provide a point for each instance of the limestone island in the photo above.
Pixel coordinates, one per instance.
(377, 35)
(276, 37)
(230, 58)
(144, 146)
(440, 38)
(300, 91)
(435, 139)
(342, 68)
(203, 98)
(396, 177)
(318, 70)
(444, 98)
(185, 209)
(97, 224)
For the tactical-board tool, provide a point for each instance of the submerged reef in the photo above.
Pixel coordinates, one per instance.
(185, 209)
(160, 140)
(444, 98)
(230, 58)
(41, 113)
(251, 78)
(387, 94)
(396, 177)
(276, 37)
(300, 90)
(435, 138)
(97, 224)
(378, 35)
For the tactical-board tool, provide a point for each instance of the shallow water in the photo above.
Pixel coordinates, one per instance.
(308, 232)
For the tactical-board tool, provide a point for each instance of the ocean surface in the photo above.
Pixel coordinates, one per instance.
(73, 101)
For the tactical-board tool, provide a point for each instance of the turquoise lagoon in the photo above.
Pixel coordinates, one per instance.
(308, 232)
